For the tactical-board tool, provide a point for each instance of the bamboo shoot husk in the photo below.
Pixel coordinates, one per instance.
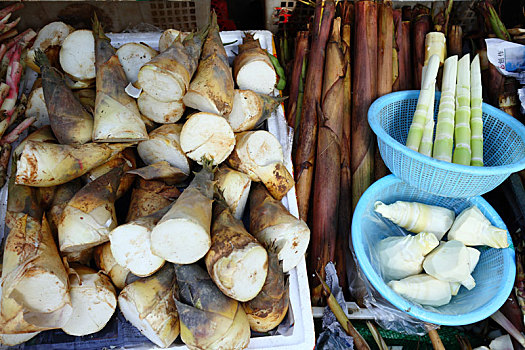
(162, 171)
(149, 305)
(235, 187)
(116, 117)
(148, 196)
(62, 196)
(455, 41)
(208, 318)
(365, 91)
(43, 164)
(420, 27)
(403, 43)
(301, 49)
(105, 261)
(236, 261)
(90, 215)
(267, 310)
(327, 179)
(304, 160)
(211, 89)
(272, 224)
(34, 276)
(82, 257)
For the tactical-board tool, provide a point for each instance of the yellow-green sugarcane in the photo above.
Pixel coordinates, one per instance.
(415, 133)
(476, 120)
(462, 152)
(428, 133)
(444, 141)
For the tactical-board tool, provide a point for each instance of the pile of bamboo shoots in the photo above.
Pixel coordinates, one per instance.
(71, 252)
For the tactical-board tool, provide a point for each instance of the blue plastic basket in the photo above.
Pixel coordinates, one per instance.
(494, 273)
(504, 149)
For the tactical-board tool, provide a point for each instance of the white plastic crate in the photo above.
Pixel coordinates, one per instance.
(300, 334)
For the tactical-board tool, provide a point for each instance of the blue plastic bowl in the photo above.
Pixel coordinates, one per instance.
(494, 273)
(390, 117)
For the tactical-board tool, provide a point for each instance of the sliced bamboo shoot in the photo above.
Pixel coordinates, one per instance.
(77, 55)
(148, 304)
(52, 34)
(132, 57)
(90, 215)
(36, 108)
(272, 224)
(94, 301)
(106, 262)
(250, 109)
(158, 111)
(164, 144)
(168, 37)
(207, 135)
(235, 187)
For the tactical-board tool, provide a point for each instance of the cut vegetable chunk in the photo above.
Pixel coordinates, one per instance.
(105, 261)
(36, 108)
(77, 55)
(52, 34)
(158, 111)
(250, 109)
(423, 289)
(235, 187)
(132, 57)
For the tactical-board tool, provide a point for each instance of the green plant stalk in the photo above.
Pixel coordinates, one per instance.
(300, 99)
(497, 26)
(428, 133)
(462, 152)
(281, 84)
(415, 133)
(444, 141)
(476, 113)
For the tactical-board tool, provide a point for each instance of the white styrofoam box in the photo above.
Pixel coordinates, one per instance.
(301, 334)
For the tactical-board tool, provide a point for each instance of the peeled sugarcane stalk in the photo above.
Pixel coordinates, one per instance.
(235, 187)
(455, 41)
(208, 318)
(149, 305)
(182, 236)
(403, 44)
(250, 109)
(267, 310)
(293, 112)
(93, 299)
(444, 141)
(385, 41)
(164, 145)
(272, 224)
(125, 159)
(345, 197)
(207, 135)
(476, 113)
(462, 133)
(131, 245)
(365, 91)
(415, 133)
(63, 194)
(420, 27)
(158, 111)
(105, 261)
(211, 89)
(304, 160)
(44, 164)
(428, 132)
(117, 117)
(167, 76)
(70, 122)
(259, 155)
(327, 180)
(252, 68)
(148, 196)
(90, 215)
(236, 261)
(34, 276)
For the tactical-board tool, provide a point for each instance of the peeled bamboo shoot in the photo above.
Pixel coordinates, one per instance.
(423, 289)
(250, 109)
(77, 55)
(476, 113)
(235, 187)
(158, 111)
(462, 134)
(105, 261)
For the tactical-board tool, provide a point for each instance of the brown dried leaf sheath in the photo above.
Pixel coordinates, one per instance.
(301, 49)
(149, 196)
(420, 27)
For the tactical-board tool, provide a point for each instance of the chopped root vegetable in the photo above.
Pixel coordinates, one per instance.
(235, 187)
(207, 135)
(148, 197)
(106, 262)
(236, 261)
(259, 155)
(52, 34)
(94, 301)
(250, 109)
(267, 310)
(182, 236)
(211, 89)
(90, 215)
(272, 224)
(77, 55)
(164, 145)
(34, 276)
(131, 245)
(70, 122)
(44, 164)
(36, 108)
(208, 318)
(158, 111)
(168, 37)
(252, 69)
(132, 57)
(117, 117)
(148, 304)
